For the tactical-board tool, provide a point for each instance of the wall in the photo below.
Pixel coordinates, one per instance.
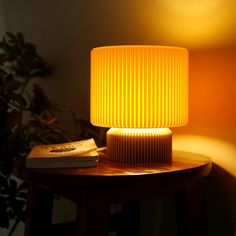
(211, 131)
(2, 18)
(65, 31)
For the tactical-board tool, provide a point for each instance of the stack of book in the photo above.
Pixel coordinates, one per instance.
(73, 154)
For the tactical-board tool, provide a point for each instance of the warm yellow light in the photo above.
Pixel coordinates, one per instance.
(194, 23)
(221, 152)
(139, 86)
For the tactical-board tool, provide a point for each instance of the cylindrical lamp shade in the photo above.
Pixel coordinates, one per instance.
(139, 86)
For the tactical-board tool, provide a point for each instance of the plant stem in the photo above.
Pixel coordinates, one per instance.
(13, 228)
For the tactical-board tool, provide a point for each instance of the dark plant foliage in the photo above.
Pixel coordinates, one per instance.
(19, 64)
(27, 118)
(13, 199)
(84, 129)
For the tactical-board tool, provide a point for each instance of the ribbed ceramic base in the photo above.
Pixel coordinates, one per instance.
(139, 145)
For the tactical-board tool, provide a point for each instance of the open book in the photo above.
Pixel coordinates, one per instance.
(73, 154)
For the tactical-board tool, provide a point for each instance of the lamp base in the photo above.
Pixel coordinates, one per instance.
(139, 145)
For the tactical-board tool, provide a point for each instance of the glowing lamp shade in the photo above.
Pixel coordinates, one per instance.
(137, 90)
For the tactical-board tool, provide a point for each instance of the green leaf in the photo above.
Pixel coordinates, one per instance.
(3, 58)
(40, 100)
(4, 192)
(4, 182)
(11, 37)
(3, 109)
(19, 100)
(12, 119)
(22, 195)
(13, 186)
(11, 85)
(23, 186)
(11, 213)
(4, 45)
(4, 219)
(30, 47)
(20, 38)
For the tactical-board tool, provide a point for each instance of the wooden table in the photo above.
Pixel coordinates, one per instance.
(95, 189)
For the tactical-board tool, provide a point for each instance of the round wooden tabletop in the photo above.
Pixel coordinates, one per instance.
(124, 180)
(182, 161)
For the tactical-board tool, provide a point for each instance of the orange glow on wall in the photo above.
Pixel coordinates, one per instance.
(139, 86)
(212, 88)
(201, 23)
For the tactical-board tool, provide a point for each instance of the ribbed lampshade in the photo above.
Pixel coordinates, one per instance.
(139, 86)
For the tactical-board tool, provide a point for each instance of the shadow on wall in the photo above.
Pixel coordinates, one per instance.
(220, 202)
(221, 184)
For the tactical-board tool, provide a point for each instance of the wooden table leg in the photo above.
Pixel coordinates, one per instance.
(129, 224)
(39, 212)
(190, 210)
(93, 209)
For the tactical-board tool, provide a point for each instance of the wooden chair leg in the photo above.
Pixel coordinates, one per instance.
(39, 212)
(190, 210)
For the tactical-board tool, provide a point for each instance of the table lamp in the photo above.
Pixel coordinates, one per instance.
(140, 92)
